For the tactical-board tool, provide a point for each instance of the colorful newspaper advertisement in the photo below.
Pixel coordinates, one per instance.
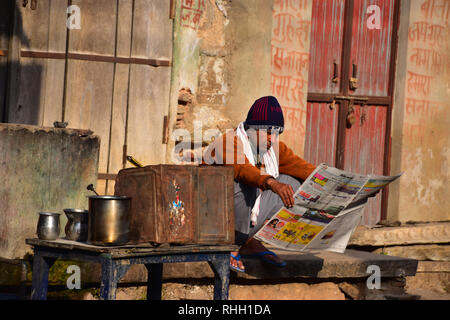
(293, 228)
(298, 229)
(319, 220)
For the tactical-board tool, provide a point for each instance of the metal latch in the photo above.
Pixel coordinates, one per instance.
(354, 78)
(351, 99)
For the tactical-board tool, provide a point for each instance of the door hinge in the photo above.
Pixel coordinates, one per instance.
(172, 10)
(124, 156)
(165, 135)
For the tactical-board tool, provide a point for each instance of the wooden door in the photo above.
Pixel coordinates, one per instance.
(6, 10)
(349, 39)
(111, 75)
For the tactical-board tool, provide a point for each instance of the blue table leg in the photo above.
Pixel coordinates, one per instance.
(112, 272)
(221, 267)
(154, 280)
(39, 284)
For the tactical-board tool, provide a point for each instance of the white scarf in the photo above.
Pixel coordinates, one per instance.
(269, 159)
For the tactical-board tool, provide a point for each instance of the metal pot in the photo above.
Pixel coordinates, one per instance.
(109, 221)
(48, 227)
(77, 224)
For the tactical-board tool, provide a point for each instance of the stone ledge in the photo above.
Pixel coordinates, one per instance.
(320, 264)
(434, 232)
(326, 264)
(432, 252)
(433, 266)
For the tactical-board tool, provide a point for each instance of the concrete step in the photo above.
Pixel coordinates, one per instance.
(326, 264)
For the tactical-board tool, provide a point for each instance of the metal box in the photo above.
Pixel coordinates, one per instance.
(179, 203)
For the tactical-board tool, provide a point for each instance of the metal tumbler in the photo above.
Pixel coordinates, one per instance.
(48, 226)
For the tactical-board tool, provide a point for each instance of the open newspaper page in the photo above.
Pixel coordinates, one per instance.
(337, 233)
(329, 189)
(302, 229)
(374, 184)
(318, 219)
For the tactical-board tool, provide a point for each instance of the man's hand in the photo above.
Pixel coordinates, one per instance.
(285, 191)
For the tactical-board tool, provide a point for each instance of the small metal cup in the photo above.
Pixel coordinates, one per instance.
(48, 227)
(77, 224)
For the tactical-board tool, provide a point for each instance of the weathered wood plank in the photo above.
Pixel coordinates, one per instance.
(12, 90)
(57, 30)
(152, 29)
(128, 250)
(149, 102)
(35, 26)
(53, 91)
(88, 101)
(118, 123)
(97, 33)
(124, 28)
(44, 29)
(41, 90)
(5, 23)
(28, 108)
(41, 86)
(3, 81)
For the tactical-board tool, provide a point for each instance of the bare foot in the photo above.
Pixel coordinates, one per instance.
(236, 263)
(253, 246)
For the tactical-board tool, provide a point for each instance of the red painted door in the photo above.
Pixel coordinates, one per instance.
(352, 63)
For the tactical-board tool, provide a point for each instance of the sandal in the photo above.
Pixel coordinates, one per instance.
(262, 255)
(236, 268)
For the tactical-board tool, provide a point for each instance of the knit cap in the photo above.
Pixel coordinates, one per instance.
(265, 113)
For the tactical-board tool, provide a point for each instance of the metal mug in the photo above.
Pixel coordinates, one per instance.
(48, 227)
(109, 220)
(77, 224)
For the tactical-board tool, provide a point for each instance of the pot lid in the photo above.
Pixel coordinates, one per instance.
(110, 197)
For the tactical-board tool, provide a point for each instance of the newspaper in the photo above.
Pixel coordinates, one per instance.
(328, 207)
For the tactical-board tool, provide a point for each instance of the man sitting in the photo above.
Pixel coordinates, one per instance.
(266, 173)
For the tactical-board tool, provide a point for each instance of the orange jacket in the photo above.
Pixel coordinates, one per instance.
(244, 171)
